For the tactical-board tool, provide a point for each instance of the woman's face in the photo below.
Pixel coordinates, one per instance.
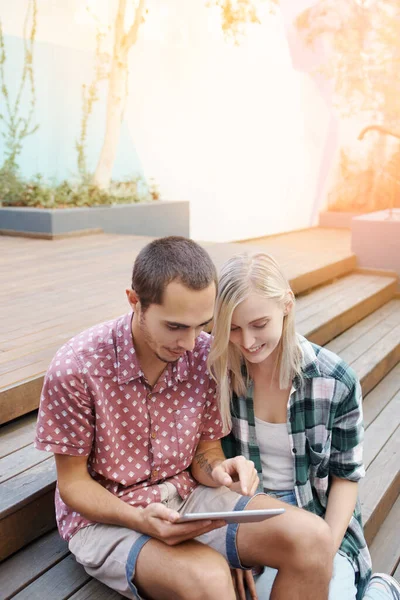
(256, 327)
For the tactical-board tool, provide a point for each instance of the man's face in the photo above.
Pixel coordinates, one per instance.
(171, 328)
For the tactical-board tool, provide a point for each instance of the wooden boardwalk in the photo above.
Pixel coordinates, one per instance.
(54, 289)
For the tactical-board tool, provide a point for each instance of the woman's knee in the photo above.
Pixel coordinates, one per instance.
(311, 545)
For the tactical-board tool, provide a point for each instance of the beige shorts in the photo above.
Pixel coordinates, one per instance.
(109, 553)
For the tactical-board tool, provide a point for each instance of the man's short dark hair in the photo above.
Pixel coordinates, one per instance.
(171, 259)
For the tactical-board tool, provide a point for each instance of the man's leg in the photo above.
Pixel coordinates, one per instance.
(140, 568)
(297, 543)
(188, 571)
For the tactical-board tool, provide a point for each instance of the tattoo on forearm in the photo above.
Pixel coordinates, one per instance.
(203, 463)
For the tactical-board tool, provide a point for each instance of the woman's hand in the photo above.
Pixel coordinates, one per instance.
(242, 581)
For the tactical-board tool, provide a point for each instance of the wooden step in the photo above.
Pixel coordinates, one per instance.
(372, 339)
(380, 488)
(385, 549)
(27, 346)
(372, 346)
(27, 482)
(322, 314)
(27, 476)
(45, 569)
(325, 313)
(31, 562)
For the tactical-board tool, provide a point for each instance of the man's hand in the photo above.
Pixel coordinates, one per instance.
(158, 521)
(238, 474)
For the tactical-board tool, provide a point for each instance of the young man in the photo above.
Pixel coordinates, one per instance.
(131, 414)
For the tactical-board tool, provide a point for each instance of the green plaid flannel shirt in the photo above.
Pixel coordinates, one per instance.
(325, 426)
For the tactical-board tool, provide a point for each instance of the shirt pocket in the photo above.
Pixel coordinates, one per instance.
(318, 457)
(188, 422)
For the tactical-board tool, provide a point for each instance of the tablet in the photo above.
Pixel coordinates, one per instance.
(233, 516)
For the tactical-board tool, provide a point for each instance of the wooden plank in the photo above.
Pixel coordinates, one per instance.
(333, 320)
(381, 487)
(376, 400)
(16, 435)
(17, 400)
(396, 574)
(385, 549)
(94, 590)
(27, 486)
(322, 275)
(345, 339)
(59, 583)
(374, 364)
(32, 520)
(310, 303)
(369, 338)
(20, 461)
(380, 431)
(27, 565)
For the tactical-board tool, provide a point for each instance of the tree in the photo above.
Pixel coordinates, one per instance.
(17, 127)
(234, 15)
(362, 43)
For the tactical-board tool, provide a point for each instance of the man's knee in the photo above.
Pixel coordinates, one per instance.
(209, 578)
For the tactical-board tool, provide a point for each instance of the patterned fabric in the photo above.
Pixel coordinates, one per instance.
(325, 426)
(96, 402)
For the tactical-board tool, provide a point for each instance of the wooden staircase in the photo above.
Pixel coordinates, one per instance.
(356, 314)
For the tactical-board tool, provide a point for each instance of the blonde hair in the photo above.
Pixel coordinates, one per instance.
(241, 275)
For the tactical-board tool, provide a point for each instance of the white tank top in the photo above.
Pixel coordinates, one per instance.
(276, 457)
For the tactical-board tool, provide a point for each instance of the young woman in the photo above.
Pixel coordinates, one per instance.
(295, 410)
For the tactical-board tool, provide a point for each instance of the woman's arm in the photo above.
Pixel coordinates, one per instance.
(345, 462)
(341, 503)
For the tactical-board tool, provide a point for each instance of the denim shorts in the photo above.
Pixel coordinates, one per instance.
(109, 553)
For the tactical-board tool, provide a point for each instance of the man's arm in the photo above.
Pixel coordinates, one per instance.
(210, 467)
(85, 495)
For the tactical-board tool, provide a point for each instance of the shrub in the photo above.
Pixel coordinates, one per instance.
(16, 191)
(366, 188)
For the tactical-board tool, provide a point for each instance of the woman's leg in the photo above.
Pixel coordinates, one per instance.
(342, 586)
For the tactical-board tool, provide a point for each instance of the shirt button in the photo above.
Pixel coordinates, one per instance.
(154, 435)
(294, 450)
(155, 473)
(298, 482)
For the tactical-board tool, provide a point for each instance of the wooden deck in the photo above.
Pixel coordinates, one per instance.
(54, 289)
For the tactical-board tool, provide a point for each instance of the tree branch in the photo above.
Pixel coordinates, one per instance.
(131, 37)
(377, 128)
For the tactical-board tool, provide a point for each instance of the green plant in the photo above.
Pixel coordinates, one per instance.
(366, 187)
(89, 97)
(36, 192)
(16, 127)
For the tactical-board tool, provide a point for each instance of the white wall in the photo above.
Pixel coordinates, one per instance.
(235, 130)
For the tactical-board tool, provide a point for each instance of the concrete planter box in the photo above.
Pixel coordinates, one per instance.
(337, 219)
(154, 219)
(375, 240)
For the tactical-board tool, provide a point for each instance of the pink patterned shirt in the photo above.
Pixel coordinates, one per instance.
(96, 402)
